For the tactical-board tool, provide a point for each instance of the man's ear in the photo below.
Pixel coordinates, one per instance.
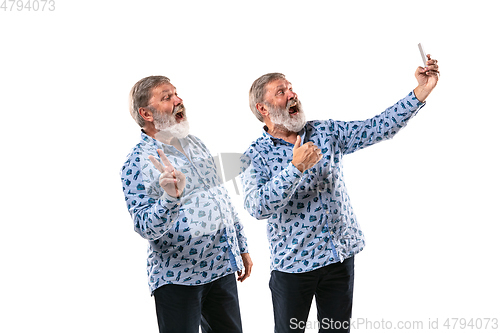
(146, 114)
(262, 109)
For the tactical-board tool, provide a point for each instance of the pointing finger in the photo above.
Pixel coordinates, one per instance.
(164, 158)
(166, 162)
(156, 163)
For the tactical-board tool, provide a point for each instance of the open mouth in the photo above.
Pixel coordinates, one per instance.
(293, 108)
(179, 115)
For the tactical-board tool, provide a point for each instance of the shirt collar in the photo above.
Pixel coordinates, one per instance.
(150, 141)
(274, 141)
(155, 144)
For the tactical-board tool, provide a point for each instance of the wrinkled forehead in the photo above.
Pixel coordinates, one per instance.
(162, 89)
(276, 85)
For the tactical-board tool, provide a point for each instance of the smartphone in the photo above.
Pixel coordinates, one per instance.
(423, 54)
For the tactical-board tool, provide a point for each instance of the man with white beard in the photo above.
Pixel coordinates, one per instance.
(292, 176)
(178, 203)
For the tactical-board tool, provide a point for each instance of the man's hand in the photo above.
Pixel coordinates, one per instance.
(247, 263)
(171, 180)
(427, 79)
(305, 156)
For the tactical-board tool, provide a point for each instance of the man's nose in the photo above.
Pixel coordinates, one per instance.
(177, 100)
(292, 95)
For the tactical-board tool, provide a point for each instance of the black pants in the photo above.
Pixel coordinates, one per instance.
(292, 294)
(214, 306)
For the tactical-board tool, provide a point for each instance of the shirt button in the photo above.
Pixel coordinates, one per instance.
(331, 232)
(328, 212)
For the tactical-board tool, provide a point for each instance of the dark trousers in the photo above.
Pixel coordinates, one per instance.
(292, 294)
(214, 306)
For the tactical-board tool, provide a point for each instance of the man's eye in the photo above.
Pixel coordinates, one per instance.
(280, 92)
(166, 98)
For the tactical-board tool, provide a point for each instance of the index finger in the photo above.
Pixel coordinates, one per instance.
(164, 159)
(156, 163)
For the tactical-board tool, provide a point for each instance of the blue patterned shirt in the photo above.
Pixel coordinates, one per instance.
(193, 239)
(311, 222)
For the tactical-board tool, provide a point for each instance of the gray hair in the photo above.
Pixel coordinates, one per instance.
(258, 90)
(141, 94)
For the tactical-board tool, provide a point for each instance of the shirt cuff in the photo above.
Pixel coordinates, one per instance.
(412, 99)
(292, 170)
(168, 201)
(243, 245)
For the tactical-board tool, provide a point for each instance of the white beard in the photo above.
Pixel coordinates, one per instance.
(168, 126)
(281, 118)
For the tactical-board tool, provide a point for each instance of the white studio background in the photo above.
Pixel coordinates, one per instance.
(427, 200)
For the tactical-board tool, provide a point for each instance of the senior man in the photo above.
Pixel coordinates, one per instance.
(293, 178)
(177, 203)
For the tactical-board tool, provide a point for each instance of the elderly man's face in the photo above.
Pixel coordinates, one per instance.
(164, 99)
(169, 112)
(284, 107)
